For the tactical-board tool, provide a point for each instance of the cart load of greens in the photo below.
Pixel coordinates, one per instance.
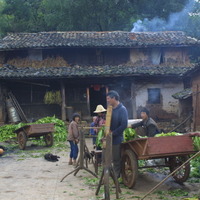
(60, 134)
(130, 134)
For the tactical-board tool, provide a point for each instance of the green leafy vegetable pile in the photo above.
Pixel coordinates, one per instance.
(7, 132)
(100, 135)
(168, 134)
(60, 134)
(129, 134)
(196, 143)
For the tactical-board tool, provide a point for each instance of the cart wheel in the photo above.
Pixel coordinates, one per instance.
(129, 168)
(48, 138)
(181, 175)
(22, 139)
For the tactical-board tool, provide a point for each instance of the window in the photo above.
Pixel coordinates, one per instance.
(154, 95)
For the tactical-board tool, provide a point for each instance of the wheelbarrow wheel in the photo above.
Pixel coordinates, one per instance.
(181, 175)
(129, 168)
(48, 138)
(22, 139)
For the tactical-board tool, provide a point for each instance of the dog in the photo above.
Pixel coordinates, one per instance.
(51, 157)
(88, 157)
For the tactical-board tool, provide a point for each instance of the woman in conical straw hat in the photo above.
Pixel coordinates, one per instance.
(100, 121)
(101, 117)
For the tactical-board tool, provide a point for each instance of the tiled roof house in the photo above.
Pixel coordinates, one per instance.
(118, 60)
(109, 40)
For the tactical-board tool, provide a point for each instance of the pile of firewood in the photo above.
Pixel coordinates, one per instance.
(48, 62)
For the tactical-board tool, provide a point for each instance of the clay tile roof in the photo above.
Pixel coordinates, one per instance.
(11, 72)
(95, 39)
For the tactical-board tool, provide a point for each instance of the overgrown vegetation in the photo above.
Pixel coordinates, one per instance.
(195, 167)
(176, 194)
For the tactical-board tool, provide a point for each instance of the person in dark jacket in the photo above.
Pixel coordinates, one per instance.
(118, 124)
(149, 125)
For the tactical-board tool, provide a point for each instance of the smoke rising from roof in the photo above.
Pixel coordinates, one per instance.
(176, 21)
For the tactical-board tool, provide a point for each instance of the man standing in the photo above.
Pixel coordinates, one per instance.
(118, 124)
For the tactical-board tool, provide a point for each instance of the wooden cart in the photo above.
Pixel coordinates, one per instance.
(174, 149)
(35, 131)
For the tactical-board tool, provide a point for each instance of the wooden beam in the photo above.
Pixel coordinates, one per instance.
(108, 120)
(2, 106)
(88, 99)
(133, 100)
(32, 83)
(63, 105)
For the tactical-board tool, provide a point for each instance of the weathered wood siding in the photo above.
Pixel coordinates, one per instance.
(75, 56)
(2, 57)
(156, 56)
(175, 55)
(196, 102)
(2, 105)
(31, 99)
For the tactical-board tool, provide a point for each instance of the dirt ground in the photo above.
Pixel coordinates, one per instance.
(27, 175)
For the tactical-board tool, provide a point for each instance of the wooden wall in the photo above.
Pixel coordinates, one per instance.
(196, 102)
(157, 56)
(73, 56)
(30, 96)
(106, 56)
(2, 105)
(176, 55)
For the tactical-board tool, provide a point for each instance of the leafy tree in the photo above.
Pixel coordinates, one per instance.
(80, 15)
(193, 25)
(99, 15)
(21, 15)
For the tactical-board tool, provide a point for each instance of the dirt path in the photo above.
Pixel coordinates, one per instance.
(29, 178)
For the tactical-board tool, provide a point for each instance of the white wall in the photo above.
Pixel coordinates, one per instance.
(169, 104)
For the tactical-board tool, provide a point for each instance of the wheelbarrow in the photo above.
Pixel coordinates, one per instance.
(175, 150)
(35, 131)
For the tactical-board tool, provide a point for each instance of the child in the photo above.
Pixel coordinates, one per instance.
(73, 138)
(92, 130)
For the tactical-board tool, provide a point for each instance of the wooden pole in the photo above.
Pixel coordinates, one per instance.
(107, 160)
(198, 153)
(107, 148)
(2, 106)
(63, 106)
(133, 100)
(88, 99)
(108, 120)
(196, 109)
(81, 159)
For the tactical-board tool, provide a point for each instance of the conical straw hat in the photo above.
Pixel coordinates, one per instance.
(100, 109)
